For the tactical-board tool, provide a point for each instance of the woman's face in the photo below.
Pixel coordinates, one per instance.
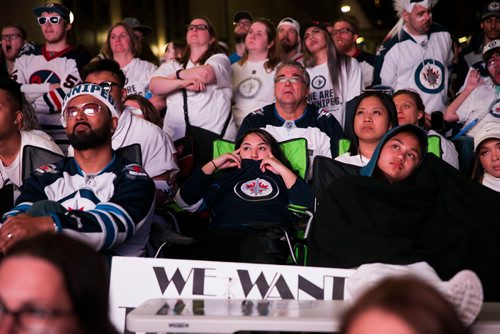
(407, 110)
(35, 290)
(256, 40)
(197, 34)
(378, 321)
(399, 157)
(255, 148)
(371, 120)
(119, 40)
(489, 156)
(315, 39)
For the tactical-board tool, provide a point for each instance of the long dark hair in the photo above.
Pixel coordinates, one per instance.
(84, 274)
(336, 61)
(213, 46)
(391, 111)
(269, 140)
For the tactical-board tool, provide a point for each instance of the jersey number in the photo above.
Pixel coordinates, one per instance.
(70, 81)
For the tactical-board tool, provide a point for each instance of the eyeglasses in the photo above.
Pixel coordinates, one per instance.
(89, 109)
(311, 33)
(200, 27)
(292, 80)
(108, 85)
(52, 19)
(10, 37)
(341, 31)
(31, 317)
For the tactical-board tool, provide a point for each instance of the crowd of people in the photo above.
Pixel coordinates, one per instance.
(96, 148)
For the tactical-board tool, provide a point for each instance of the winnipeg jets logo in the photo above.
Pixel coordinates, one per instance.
(429, 76)
(258, 189)
(495, 111)
(318, 82)
(249, 87)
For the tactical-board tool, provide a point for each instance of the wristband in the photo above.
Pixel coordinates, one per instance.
(213, 163)
(177, 74)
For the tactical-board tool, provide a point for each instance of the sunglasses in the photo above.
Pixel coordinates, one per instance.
(88, 109)
(200, 27)
(52, 19)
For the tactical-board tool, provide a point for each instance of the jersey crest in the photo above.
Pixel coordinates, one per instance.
(258, 189)
(429, 76)
(44, 76)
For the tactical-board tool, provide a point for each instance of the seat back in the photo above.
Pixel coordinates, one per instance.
(325, 170)
(131, 153)
(295, 150)
(34, 157)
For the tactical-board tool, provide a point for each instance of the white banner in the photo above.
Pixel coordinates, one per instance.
(134, 280)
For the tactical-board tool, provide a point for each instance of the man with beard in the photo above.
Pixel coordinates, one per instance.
(13, 44)
(48, 72)
(242, 22)
(344, 33)
(95, 196)
(288, 39)
(417, 54)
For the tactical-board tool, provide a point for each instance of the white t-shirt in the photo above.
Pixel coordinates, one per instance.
(156, 147)
(356, 160)
(253, 88)
(321, 91)
(208, 109)
(491, 182)
(482, 103)
(137, 73)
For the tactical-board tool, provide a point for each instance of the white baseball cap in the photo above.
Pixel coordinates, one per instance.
(489, 130)
(291, 22)
(494, 44)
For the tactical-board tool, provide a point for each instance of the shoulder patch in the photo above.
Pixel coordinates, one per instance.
(135, 170)
(258, 112)
(47, 169)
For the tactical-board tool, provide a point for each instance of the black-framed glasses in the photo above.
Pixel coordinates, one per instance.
(341, 31)
(32, 317)
(52, 19)
(88, 109)
(108, 85)
(10, 37)
(200, 27)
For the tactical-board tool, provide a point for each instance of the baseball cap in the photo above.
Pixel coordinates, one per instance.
(52, 7)
(488, 130)
(92, 90)
(310, 24)
(495, 44)
(491, 8)
(290, 22)
(242, 14)
(135, 24)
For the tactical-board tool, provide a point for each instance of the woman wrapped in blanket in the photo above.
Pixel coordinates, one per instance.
(407, 207)
(253, 190)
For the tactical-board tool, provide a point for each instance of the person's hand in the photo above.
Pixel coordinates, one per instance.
(194, 85)
(273, 165)
(228, 160)
(474, 80)
(224, 161)
(23, 226)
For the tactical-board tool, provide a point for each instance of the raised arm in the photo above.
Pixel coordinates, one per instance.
(474, 80)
